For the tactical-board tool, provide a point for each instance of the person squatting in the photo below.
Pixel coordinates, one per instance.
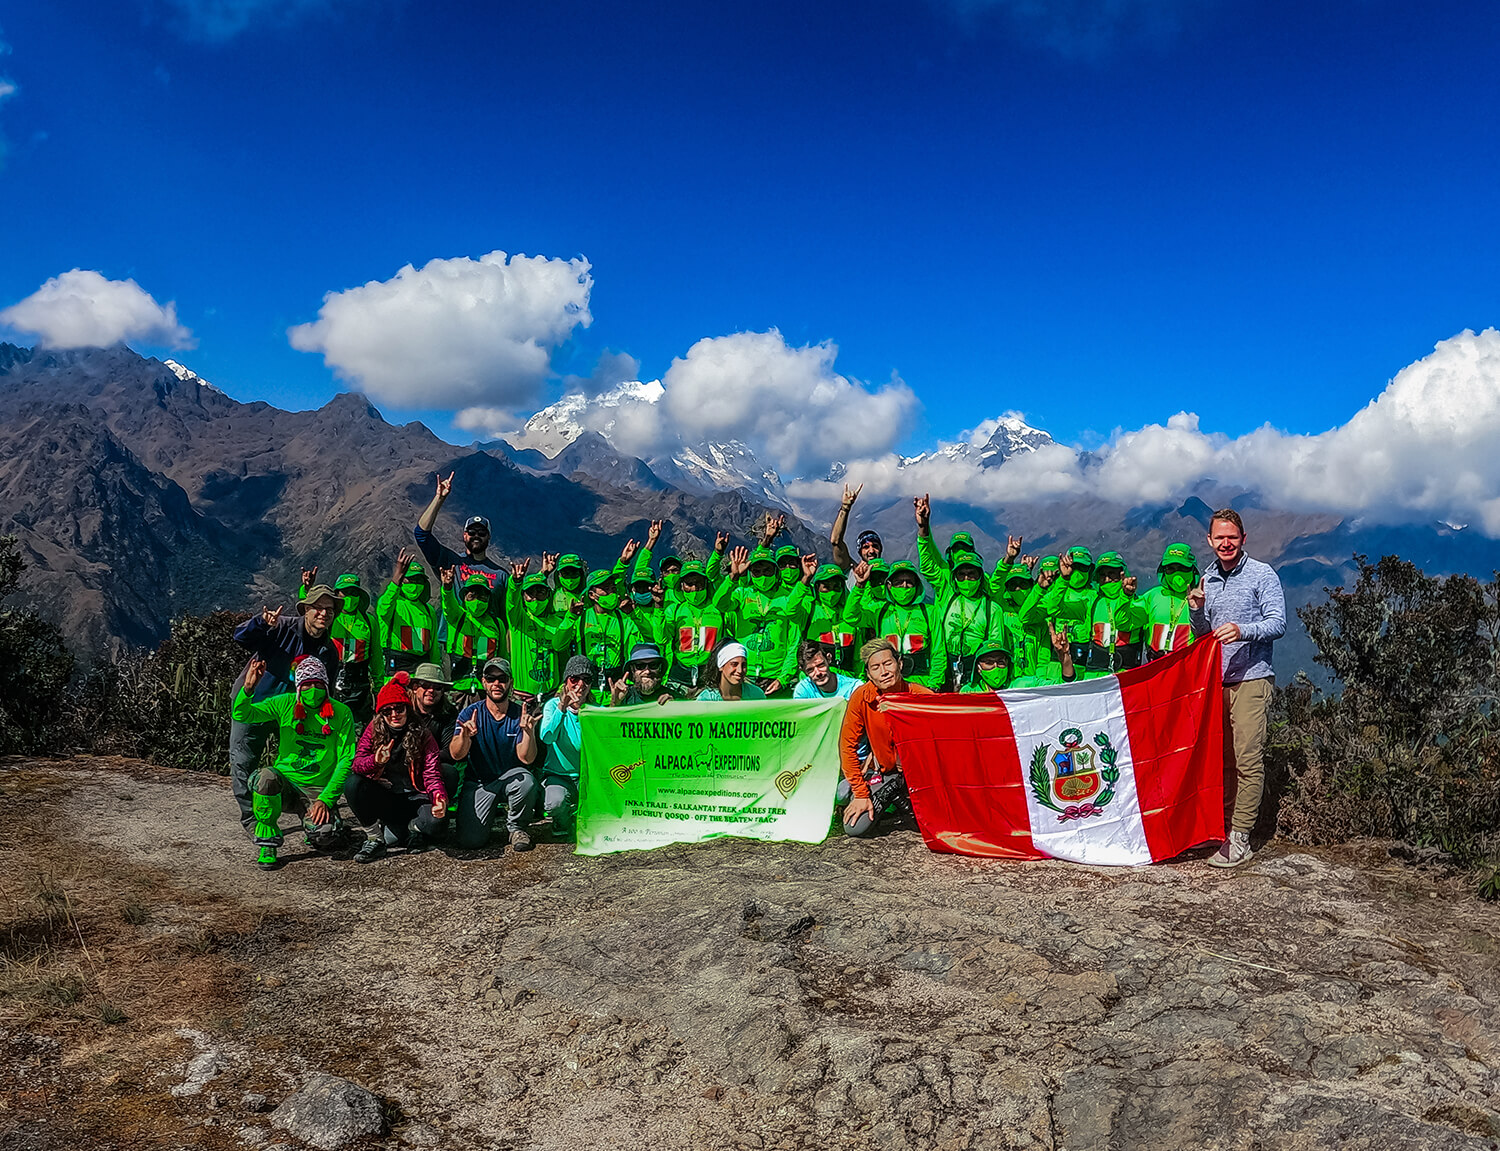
(448, 707)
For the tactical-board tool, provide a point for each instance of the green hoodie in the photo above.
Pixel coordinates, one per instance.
(1167, 626)
(406, 624)
(768, 621)
(537, 637)
(836, 619)
(475, 633)
(309, 759)
(353, 631)
(692, 629)
(914, 630)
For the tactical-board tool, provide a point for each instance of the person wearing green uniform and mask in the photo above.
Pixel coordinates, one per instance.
(314, 754)
(537, 637)
(995, 667)
(642, 574)
(605, 633)
(962, 604)
(357, 640)
(407, 632)
(1105, 622)
(788, 566)
(1168, 628)
(1028, 595)
(835, 621)
(911, 627)
(694, 628)
(768, 619)
(571, 574)
(475, 633)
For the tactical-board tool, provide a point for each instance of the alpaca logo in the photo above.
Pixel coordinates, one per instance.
(786, 781)
(621, 773)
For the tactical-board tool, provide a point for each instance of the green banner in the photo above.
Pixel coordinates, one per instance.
(685, 772)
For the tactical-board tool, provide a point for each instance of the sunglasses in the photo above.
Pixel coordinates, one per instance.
(497, 677)
(394, 707)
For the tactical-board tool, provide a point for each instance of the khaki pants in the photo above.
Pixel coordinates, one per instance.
(1245, 708)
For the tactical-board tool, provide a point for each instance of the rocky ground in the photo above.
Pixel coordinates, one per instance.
(156, 990)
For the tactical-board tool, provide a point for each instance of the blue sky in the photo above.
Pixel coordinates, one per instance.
(1102, 215)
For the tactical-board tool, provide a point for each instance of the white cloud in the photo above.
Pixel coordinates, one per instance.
(788, 404)
(1424, 449)
(82, 309)
(453, 333)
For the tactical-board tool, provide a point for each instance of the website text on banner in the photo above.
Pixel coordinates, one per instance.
(1118, 770)
(695, 771)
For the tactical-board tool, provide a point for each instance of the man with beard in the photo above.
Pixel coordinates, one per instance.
(642, 680)
(476, 558)
(498, 738)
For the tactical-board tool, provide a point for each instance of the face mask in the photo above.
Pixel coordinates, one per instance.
(641, 598)
(1114, 589)
(763, 583)
(351, 604)
(903, 595)
(694, 597)
(789, 576)
(967, 586)
(479, 605)
(877, 592)
(412, 590)
(569, 582)
(1178, 584)
(1080, 578)
(994, 678)
(1017, 594)
(609, 601)
(831, 595)
(535, 606)
(670, 581)
(313, 697)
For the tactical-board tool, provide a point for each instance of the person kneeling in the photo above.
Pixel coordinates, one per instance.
(499, 739)
(875, 784)
(397, 788)
(562, 734)
(315, 748)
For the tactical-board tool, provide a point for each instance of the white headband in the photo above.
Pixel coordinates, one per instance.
(732, 651)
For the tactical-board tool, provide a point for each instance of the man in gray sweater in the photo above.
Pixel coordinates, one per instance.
(1241, 602)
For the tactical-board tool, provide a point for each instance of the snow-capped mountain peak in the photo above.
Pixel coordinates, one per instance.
(187, 375)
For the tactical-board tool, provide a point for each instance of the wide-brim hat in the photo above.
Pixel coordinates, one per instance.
(316, 593)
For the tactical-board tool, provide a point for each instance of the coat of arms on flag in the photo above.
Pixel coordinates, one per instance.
(1061, 779)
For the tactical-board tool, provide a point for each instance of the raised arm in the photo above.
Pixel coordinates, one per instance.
(841, 554)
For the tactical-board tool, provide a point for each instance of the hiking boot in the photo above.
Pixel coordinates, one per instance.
(520, 840)
(1236, 850)
(265, 857)
(415, 840)
(369, 851)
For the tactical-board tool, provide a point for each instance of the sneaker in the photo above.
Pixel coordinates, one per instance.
(1236, 850)
(265, 857)
(369, 851)
(520, 840)
(415, 840)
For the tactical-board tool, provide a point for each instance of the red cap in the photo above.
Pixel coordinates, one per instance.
(394, 692)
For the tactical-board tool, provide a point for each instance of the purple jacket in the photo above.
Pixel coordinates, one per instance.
(397, 772)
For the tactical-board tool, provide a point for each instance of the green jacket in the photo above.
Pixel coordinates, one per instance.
(769, 624)
(536, 643)
(473, 635)
(1167, 625)
(1096, 621)
(606, 637)
(310, 759)
(406, 625)
(837, 624)
(916, 634)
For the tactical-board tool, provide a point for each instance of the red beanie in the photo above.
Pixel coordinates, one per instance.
(394, 692)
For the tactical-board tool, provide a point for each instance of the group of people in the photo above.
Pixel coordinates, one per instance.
(357, 689)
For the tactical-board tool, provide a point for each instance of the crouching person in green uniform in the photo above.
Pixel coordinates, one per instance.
(995, 666)
(313, 756)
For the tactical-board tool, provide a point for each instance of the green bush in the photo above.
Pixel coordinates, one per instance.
(35, 667)
(1409, 747)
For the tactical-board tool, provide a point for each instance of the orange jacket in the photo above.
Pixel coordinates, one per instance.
(862, 718)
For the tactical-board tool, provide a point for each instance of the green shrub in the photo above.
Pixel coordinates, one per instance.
(35, 667)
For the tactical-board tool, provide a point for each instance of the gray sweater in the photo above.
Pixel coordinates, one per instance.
(1250, 595)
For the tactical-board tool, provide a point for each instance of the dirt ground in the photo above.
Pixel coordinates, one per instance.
(157, 990)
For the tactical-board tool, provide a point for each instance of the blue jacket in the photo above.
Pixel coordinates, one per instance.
(1250, 595)
(279, 646)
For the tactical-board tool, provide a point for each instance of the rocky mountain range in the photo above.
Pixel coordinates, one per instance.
(139, 491)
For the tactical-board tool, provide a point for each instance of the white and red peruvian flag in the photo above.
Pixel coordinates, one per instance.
(1124, 769)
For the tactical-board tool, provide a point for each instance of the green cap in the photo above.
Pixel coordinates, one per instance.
(762, 556)
(1048, 564)
(532, 581)
(828, 572)
(879, 565)
(1081, 556)
(599, 579)
(1178, 555)
(1112, 560)
(960, 542)
(570, 561)
(692, 567)
(962, 559)
(900, 567)
(415, 571)
(1014, 572)
(476, 580)
(995, 646)
(787, 552)
(349, 581)
(669, 558)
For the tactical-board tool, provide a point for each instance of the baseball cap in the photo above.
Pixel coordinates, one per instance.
(497, 664)
(480, 520)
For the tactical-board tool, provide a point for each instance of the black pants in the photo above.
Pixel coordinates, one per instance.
(377, 806)
(892, 789)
